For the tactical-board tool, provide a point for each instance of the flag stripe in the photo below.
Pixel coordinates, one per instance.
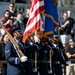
(37, 6)
(35, 2)
(31, 30)
(35, 12)
(36, 19)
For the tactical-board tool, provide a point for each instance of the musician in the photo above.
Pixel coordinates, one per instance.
(13, 57)
(32, 46)
(45, 64)
(58, 56)
(3, 42)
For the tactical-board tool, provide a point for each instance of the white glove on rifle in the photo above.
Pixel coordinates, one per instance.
(23, 58)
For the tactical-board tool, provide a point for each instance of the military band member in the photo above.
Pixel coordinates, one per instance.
(14, 61)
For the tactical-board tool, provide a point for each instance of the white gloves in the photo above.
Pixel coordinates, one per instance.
(23, 58)
(36, 39)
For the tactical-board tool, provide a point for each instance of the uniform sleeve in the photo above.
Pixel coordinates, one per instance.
(10, 58)
(36, 46)
(33, 48)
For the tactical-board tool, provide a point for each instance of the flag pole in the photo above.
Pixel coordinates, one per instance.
(35, 61)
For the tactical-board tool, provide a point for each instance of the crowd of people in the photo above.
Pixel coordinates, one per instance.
(16, 1)
(37, 56)
(66, 33)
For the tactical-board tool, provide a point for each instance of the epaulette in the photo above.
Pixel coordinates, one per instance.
(36, 46)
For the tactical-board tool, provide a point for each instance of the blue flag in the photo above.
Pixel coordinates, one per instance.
(51, 17)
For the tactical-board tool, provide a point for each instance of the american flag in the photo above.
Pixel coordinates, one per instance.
(34, 21)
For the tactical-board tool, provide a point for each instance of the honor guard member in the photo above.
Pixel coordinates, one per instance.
(32, 47)
(58, 56)
(14, 61)
(45, 57)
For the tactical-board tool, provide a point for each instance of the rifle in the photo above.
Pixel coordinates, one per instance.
(50, 58)
(50, 61)
(12, 40)
(35, 62)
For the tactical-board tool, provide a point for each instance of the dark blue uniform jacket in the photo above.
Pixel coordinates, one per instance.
(14, 66)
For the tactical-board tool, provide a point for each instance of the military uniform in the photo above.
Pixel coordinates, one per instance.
(31, 48)
(58, 60)
(14, 66)
(45, 64)
(59, 57)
